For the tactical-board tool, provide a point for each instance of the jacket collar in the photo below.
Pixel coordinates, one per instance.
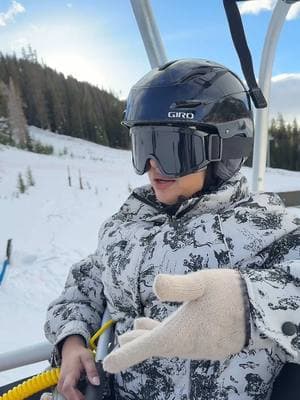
(228, 193)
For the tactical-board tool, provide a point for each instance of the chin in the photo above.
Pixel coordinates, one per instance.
(166, 200)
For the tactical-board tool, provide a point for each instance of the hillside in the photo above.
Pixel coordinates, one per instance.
(52, 225)
(50, 100)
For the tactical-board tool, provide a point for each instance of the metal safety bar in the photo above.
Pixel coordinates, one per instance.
(42, 351)
(25, 356)
(105, 339)
(265, 75)
(149, 32)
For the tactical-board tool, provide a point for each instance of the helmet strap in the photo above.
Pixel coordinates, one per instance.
(242, 49)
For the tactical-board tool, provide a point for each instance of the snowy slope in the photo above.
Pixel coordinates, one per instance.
(54, 225)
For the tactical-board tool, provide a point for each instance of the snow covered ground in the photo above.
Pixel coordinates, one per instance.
(53, 225)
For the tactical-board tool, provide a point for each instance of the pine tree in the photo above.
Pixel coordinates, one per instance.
(5, 134)
(16, 115)
(21, 185)
(30, 180)
(295, 139)
(3, 100)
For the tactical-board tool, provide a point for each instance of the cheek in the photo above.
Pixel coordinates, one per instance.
(181, 188)
(191, 185)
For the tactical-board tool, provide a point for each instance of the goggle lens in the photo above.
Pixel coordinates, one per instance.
(178, 151)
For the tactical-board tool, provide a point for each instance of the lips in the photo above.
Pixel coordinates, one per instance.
(162, 182)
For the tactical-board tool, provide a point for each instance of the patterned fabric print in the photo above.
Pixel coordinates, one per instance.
(275, 298)
(226, 229)
(81, 305)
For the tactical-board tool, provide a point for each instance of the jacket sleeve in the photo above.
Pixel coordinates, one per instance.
(79, 309)
(274, 295)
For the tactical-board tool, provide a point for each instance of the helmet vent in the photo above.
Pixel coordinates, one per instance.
(186, 104)
(199, 71)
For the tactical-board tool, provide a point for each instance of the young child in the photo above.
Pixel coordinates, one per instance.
(194, 235)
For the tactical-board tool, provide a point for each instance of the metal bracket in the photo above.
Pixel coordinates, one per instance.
(265, 74)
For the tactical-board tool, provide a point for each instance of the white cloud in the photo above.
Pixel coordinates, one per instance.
(285, 97)
(256, 6)
(294, 12)
(14, 9)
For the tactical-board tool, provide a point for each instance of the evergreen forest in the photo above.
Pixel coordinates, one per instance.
(283, 145)
(49, 100)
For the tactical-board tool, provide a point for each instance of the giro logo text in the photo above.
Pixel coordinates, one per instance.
(180, 114)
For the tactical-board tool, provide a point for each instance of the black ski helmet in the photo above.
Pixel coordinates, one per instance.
(201, 94)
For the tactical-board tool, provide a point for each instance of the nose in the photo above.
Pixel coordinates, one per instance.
(153, 164)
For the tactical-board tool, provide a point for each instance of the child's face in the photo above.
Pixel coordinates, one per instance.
(168, 190)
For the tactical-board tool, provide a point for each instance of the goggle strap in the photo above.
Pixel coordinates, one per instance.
(231, 148)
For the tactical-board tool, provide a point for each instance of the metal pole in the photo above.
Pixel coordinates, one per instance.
(149, 32)
(105, 338)
(25, 356)
(265, 74)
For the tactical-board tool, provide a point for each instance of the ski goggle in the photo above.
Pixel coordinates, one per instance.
(179, 151)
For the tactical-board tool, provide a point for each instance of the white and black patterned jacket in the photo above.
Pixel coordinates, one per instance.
(227, 229)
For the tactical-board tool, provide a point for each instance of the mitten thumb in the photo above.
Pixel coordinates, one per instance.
(133, 352)
(179, 288)
(131, 335)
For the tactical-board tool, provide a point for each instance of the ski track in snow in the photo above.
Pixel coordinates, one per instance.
(54, 225)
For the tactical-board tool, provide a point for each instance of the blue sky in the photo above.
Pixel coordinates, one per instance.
(99, 42)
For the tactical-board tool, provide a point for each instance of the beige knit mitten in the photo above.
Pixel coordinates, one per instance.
(211, 324)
